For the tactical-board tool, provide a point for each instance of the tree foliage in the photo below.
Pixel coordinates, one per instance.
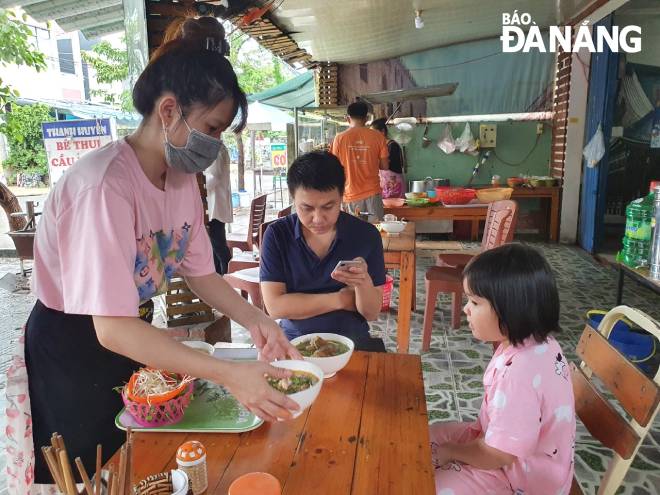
(111, 65)
(22, 127)
(256, 68)
(15, 49)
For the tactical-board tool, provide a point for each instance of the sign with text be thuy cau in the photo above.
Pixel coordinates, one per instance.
(67, 140)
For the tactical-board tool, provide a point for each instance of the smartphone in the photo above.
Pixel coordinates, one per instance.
(344, 265)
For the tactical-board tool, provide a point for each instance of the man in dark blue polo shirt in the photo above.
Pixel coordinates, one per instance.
(299, 254)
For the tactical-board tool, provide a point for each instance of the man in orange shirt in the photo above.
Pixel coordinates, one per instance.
(362, 152)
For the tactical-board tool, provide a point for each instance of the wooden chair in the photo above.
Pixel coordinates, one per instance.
(285, 211)
(246, 242)
(637, 394)
(500, 226)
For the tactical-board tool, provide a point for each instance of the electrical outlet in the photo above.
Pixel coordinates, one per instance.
(539, 129)
(487, 135)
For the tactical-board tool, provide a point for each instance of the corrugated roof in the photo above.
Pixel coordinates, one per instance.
(93, 17)
(350, 31)
(88, 110)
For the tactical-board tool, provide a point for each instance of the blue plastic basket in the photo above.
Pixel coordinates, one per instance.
(635, 346)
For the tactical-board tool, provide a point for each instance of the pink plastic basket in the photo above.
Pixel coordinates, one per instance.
(164, 413)
(387, 293)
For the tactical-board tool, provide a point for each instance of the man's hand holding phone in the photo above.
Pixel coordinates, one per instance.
(354, 273)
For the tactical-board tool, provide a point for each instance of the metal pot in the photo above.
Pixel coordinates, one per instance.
(418, 186)
(440, 183)
(431, 184)
(428, 184)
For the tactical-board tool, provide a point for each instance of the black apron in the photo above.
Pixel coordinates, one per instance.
(71, 378)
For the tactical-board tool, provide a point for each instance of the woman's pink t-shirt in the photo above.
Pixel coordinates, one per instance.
(109, 239)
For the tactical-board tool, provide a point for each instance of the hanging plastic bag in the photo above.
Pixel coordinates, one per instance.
(446, 143)
(466, 142)
(595, 148)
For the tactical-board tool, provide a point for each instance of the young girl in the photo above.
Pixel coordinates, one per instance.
(523, 440)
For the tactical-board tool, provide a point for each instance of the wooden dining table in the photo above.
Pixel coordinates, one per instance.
(473, 214)
(366, 433)
(550, 198)
(399, 251)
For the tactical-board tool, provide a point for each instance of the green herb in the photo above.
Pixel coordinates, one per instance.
(299, 381)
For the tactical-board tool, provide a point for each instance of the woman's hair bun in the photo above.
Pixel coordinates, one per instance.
(205, 32)
(190, 64)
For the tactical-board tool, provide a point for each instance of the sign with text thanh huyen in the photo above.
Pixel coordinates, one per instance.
(67, 140)
(278, 155)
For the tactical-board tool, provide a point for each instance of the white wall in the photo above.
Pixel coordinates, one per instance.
(577, 109)
(50, 83)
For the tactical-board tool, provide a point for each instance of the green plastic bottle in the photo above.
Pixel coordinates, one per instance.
(639, 229)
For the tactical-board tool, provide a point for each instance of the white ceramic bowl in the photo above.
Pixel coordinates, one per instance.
(393, 227)
(200, 346)
(332, 364)
(305, 397)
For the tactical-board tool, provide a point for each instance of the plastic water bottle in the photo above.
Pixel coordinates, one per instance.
(654, 260)
(639, 226)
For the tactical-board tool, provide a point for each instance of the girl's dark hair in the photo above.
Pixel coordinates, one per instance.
(380, 125)
(190, 65)
(317, 170)
(519, 284)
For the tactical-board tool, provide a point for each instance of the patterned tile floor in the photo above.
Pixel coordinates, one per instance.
(454, 366)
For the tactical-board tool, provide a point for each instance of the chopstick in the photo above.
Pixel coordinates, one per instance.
(68, 475)
(129, 461)
(97, 474)
(111, 482)
(53, 467)
(83, 475)
(122, 470)
(120, 476)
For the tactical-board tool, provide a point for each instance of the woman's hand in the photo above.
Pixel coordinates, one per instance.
(271, 341)
(354, 276)
(247, 383)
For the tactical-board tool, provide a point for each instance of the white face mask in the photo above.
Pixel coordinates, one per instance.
(198, 153)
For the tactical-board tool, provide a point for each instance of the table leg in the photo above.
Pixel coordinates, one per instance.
(413, 296)
(406, 279)
(554, 217)
(619, 287)
(474, 230)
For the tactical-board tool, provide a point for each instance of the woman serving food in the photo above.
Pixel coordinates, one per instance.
(114, 230)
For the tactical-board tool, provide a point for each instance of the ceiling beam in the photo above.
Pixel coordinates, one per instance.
(45, 11)
(91, 18)
(270, 36)
(102, 30)
(8, 4)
